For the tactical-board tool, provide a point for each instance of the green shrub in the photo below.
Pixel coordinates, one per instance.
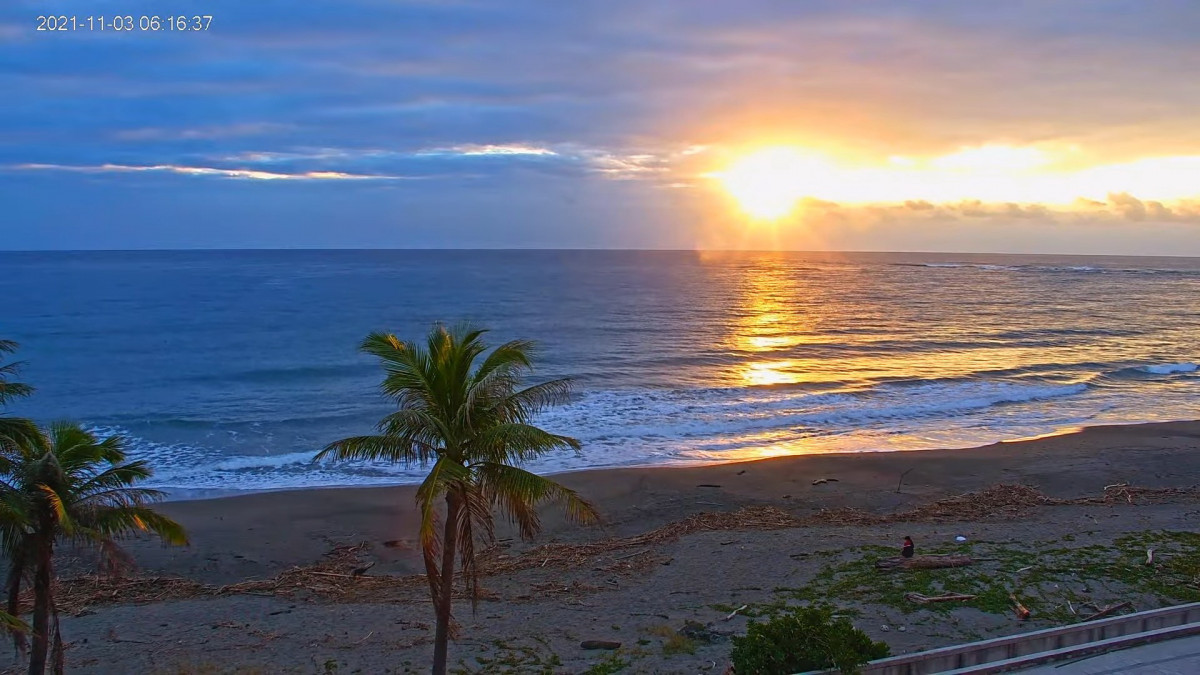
(801, 639)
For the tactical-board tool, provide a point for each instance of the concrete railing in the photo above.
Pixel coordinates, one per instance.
(1052, 644)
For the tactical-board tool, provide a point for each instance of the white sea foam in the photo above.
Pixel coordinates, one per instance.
(1082, 269)
(635, 427)
(980, 266)
(699, 412)
(264, 461)
(1169, 368)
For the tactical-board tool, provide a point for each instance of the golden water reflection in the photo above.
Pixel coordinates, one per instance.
(790, 317)
(764, 373)
(774, 315)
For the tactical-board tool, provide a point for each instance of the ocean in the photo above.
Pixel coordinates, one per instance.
(229, 370)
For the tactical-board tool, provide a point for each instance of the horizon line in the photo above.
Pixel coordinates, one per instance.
(299, 249)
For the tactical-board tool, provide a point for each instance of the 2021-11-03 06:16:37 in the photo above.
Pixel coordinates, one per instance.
(125, 23)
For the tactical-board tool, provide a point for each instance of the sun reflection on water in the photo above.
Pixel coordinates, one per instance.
(826, 356)
(774, 318)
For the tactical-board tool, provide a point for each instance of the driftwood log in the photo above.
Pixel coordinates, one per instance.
(924, 562)
(1110, 610)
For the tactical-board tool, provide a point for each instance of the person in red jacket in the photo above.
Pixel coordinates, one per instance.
(908, 548)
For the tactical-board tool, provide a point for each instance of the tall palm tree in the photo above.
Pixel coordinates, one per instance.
(469, 416)
(66, 484)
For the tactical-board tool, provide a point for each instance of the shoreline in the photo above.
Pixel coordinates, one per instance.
(259, 534)
(208, 494)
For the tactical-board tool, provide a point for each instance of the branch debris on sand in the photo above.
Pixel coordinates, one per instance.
(334, 579)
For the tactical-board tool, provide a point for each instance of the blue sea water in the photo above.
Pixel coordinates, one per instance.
(229, 370)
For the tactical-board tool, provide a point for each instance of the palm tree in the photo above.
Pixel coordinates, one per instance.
(65, 484)
(470, 418)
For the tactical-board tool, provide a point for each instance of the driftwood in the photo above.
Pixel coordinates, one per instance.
(924, 562)
(945, 597)
(1111, 609)
(599, 644)
(735, 612)
(1023, 612)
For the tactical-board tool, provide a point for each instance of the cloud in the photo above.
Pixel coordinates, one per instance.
(205, 171)
(1118, 208)
(490, 150)
(565, 159)
(1134, 209)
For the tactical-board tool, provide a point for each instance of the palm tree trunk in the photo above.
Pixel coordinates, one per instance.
(16, 575)
(41, 607)
(442, 633)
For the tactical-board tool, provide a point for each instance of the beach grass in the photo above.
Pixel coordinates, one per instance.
(1057, 582)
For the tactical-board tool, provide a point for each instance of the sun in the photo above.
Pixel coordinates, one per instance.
(768, 183)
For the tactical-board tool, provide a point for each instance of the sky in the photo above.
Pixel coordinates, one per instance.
(1026, 126)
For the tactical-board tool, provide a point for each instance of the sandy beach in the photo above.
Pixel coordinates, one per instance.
(664, 596)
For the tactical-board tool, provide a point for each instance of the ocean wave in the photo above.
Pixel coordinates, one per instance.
(1070, 269)
(1141, 372)
(242, 463)
(1170, 368)
(980, 266)
(619, 417)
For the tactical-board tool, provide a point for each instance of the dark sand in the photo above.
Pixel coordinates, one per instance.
(260, 535)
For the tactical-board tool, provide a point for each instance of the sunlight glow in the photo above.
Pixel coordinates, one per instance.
(771, 183)
(768, 183)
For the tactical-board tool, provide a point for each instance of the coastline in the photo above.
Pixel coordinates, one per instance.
(259, 534)
(182, 494)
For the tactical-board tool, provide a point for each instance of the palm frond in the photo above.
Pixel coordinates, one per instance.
(16, 433)
(74, 447)
(518, 492)
(444, 475)
(465, 541)
(517, 442)
(418, 426)
(391, 448)
(114, 497)
(10, 390)
(514, 357)
(524, 403)
(117, 522)
(407, 371)
(62, 517)
(117, 479)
